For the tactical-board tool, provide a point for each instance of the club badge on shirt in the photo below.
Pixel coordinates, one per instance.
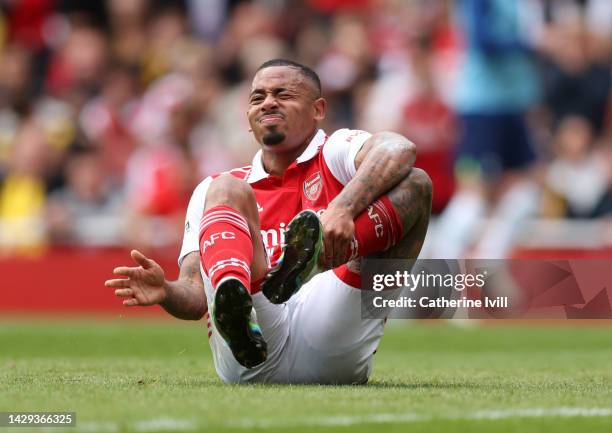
(313, 186)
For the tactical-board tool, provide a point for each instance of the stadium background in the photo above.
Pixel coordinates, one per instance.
(112, 111)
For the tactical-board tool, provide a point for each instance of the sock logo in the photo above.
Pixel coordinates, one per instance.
(379, 227)
(219, 235)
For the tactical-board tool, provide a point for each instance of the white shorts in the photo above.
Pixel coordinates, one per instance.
(318, 336)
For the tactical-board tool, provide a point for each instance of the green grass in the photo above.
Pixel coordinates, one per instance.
(427, 378)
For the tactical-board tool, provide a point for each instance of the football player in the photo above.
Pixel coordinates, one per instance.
(271, 251)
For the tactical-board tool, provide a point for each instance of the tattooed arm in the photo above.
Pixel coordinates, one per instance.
(383, 161)
(145, 285)
(185, 297)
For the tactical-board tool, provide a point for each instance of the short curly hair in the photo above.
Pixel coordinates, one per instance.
(305, 70)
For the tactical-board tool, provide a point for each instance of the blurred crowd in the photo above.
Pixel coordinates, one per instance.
(111, 111)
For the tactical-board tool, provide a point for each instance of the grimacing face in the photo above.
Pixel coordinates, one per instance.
(284, 108)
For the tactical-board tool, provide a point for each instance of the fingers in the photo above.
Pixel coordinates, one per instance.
(123, 285)
(132, 302)
(338, 255)
(128, 293)
(120, 282)
(124, 293)
(125, 271)
(334, 253)
(141, 259)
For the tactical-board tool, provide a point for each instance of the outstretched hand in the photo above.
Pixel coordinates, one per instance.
(144, 285)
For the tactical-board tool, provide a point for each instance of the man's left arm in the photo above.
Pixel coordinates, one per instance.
(383, 161)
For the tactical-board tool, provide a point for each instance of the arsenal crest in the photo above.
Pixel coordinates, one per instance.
(313, 186)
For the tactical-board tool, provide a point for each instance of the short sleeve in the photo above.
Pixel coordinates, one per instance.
(340, 150)
(191, 241)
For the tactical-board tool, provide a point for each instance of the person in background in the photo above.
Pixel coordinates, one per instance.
(23, 193)
(496, 87)
(430, 122)
(579, 178)
(88, 209)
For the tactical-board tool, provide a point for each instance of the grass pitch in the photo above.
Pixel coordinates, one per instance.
(146, 376)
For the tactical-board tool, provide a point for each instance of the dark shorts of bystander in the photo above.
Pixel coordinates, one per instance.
(494, 143)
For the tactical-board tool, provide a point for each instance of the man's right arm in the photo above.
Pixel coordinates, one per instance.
(185, 297)
(145, 285)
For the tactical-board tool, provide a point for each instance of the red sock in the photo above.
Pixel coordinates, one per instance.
(226, 248)
(377, 229)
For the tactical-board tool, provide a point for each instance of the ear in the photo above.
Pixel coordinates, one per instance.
(320, 106)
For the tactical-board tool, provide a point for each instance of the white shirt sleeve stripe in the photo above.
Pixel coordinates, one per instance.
(195, 210)
(340, 151)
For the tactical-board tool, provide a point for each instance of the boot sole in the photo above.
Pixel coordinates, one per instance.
(232, 313)
(302, 246)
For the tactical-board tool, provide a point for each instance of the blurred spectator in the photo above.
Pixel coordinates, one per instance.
(428, 121)
(248, 21)
(576, 65)
(128, 35)
(23, 192)
(497, 85)
(208, 18)
(166, 27)
(157, 195)
(15, 92)
(9, 123)
(579, 178)
(417, 65)
(160, 171)
(88, 210)
(105, 119)
(15, 86)
(78, 64)
(398, 31)
(57, 119)
(196, 123)
(27, 20)
(155, 93)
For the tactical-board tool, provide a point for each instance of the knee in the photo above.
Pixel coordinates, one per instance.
(229, 190)
(420, 184)
(416, 188)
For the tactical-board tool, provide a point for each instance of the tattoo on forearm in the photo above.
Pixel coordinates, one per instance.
(411, 199)
(186, 299)
(192, 271)
(383, 167)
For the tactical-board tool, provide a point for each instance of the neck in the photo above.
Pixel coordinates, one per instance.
(275, 163)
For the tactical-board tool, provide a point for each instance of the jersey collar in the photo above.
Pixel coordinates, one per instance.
(257, 169)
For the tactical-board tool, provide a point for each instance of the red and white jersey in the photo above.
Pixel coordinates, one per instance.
(312, 181)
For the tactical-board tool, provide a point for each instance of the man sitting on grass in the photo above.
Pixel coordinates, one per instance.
(274, 248)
